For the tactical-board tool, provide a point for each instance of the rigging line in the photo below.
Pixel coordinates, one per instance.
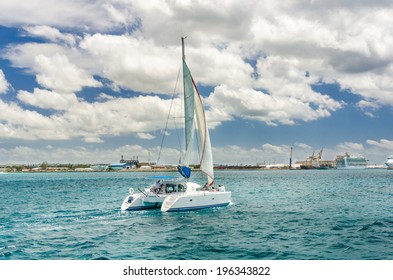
(169, 113)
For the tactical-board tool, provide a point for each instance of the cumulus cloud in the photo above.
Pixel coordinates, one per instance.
(275, 148)
(55, 66)
(48, 99)
(52, 34)
(343, 42)
(378, 150)
(134, 63)
(79, 14)
(259, 58)
(351, 147)
(82, 154)
(59, 74)
(72, 118)
(303, 146)
(383, 143)
(146, 136)
(4, 85)
(18, 123)
(256, 105)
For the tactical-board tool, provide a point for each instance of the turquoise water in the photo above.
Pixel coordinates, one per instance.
(325, 214)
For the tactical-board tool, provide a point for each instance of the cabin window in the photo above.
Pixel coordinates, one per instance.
(181, 188)
(170, 188)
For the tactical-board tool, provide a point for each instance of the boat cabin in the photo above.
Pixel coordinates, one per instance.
(168, 187)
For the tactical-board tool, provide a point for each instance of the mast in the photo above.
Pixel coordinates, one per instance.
(183, 54)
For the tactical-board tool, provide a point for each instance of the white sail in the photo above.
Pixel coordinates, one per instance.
(193, 108)
(206, 164)
(189, 112)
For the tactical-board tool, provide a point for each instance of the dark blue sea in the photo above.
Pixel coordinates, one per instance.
(277, 215)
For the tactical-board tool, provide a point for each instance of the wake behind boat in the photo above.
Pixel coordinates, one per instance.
(181, 194)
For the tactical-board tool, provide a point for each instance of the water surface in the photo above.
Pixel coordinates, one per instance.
(311, 214)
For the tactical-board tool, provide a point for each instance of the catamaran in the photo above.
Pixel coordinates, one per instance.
(181, 194)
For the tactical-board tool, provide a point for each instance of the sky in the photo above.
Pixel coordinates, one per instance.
(86, 81)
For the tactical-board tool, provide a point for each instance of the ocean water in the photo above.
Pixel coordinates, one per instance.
(310, 214)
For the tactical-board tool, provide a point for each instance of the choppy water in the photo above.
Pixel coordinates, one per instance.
(326, 214)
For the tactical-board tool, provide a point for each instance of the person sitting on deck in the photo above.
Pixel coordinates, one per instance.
(157, 186)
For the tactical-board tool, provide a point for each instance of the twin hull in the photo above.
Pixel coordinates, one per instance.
(141, 202)
(195, 201)
(182, 201)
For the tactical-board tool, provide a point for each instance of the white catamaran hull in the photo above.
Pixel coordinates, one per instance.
(141, 202)
(195, 201)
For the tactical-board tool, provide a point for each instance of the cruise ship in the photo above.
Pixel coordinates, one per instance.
(389, 163)
(347, 161)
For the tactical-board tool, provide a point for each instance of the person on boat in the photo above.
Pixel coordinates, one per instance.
(157, 186)
(161, 189)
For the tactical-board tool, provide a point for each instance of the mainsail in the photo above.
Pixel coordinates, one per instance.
(193, 109)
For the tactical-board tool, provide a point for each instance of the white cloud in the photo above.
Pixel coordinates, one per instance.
(344, 42)
(4, 85)
(260, 59)
(81, 154)
(146, 136)
(271, 109)
(274, 148)
(92, 139)
(350, 147)
(73, 118)
(378, 151)
(303, 146)
(17, 123)
(79, 14)
(122, 14)
(383, 143)
(52, 34)
(56, 67)
(59, 74)
(134, 63)
(48, 99)
(23, 55)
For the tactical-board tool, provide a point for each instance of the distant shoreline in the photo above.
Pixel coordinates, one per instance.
(90, 170)
(15, 169)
